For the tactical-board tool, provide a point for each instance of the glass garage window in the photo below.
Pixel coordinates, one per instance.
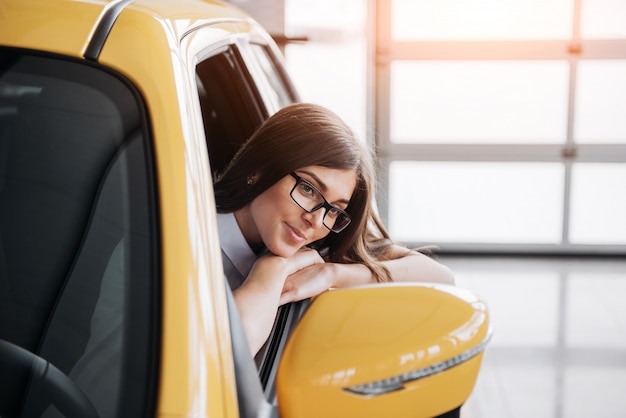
(505, 122)
(603, 19)
(598, 203)
(481, 19)
(478, 102)
(476, 202)
(601, 102)
(330, 67)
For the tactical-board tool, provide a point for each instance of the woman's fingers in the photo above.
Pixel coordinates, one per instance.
(307, 282)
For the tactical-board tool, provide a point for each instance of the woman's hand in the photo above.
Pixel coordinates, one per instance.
(271, 270)
(315, 279)
(308, 282)
(259, 296)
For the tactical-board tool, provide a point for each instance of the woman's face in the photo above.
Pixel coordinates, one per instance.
(275, 220)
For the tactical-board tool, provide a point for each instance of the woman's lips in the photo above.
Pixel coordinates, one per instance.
(295, 234)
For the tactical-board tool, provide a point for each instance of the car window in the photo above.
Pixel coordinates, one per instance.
(78, 276)
(269, 76)
(230, 104)
(239, 86)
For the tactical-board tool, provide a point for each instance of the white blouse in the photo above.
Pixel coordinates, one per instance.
(237, 256)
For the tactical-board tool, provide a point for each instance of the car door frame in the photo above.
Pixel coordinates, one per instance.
(288, 315)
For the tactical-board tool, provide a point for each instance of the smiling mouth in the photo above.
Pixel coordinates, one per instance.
(296, 233)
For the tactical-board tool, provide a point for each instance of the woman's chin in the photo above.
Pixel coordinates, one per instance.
(284, 251)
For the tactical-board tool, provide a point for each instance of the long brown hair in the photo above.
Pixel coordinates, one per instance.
(300, 135)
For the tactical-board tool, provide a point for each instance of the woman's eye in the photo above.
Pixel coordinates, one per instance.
(307, 188)
(333, 212)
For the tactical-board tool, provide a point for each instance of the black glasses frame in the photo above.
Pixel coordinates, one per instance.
(324, 204)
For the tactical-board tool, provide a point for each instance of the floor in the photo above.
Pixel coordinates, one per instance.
(559, 346)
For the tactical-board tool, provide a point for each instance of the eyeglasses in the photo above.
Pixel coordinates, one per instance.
(309, 198)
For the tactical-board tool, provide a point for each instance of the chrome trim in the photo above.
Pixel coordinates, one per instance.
(395, 383)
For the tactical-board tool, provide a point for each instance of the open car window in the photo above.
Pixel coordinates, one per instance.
(231, 106)
(78, 271)
(239, 86)
(269, 76)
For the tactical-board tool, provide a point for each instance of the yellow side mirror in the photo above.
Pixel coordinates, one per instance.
(395, 350)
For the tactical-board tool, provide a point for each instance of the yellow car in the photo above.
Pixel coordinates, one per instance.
(113, 303)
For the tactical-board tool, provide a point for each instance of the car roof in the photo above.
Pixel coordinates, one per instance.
(72, 27)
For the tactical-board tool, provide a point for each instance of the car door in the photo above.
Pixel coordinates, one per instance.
(79, 241)
(240, 84)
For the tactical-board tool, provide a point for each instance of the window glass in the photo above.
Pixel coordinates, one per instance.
(481, 19)
(268, 78)
(600, 102)
(598, 204)
(478, 102)
(330, 68)
(77, 233)
(231, 106)
(603, 19)
(476, 202)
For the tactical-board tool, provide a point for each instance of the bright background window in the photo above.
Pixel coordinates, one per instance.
(495, 122)
(481, 19)
(482, 202)
(478, 101)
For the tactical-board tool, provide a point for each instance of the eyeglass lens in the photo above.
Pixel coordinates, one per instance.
(311, 199)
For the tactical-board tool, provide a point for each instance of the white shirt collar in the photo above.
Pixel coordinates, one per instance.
(234, 244)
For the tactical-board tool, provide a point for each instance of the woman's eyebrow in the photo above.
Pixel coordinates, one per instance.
(322, 186)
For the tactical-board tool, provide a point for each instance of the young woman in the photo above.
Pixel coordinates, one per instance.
(297, 218)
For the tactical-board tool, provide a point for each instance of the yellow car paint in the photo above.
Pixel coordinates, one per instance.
(355, 336)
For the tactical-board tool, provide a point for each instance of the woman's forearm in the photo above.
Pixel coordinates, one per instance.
(259, 296)
(257, 309)
(417, 267)
(257, 301)
(407, 267)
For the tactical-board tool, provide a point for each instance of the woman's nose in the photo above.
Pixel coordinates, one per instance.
(316, 218)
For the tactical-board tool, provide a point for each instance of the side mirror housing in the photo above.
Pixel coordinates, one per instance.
(384, 350)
